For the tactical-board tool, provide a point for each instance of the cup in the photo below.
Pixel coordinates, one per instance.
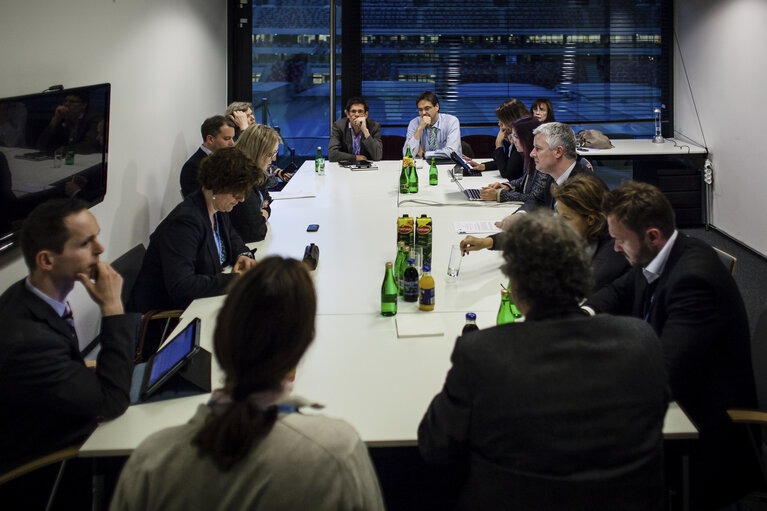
(322, 168)
(417, 254)
(58, 157)
(454, 263)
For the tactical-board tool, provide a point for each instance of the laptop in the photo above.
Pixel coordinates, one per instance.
(470, 193)
(170, 359)
(463, 166)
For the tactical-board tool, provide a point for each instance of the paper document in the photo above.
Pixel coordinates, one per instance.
(292, 195)
(418, 325)
(476, 227)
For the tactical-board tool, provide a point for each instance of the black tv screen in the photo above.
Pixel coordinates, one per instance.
(52, 145)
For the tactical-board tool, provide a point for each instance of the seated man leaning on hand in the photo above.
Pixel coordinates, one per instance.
(357, 137)
(49, 399)
(432, 134)
(561, 411)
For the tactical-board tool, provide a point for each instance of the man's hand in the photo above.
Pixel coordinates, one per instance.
(104, 287)
(472, 243)
(360, 157)
(425, 121)
(243, 264)
(59, 115)
(240, 118)
(488, 193)
(362, 124)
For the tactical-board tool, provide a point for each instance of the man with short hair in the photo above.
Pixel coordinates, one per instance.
(49, 399)
(357, 137)
(217, 133)
(563, 411)
(72, 126)
(680, 287)
(432, 134)
(241, 114)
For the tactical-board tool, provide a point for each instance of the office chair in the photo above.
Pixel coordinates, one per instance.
(482, 145)
(43, 461)
(729, 261)
(392, 147)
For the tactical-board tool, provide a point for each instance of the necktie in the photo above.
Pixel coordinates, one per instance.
(432, 138)
(70, 320)
(649, 298)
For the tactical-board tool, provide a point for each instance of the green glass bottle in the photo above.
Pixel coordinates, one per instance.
(397, 270)
(400, 270)
(514, 311)
(433, 175)
(505, 315)
(318, 160)
(388, 293)
(412, 181)
(407, 160)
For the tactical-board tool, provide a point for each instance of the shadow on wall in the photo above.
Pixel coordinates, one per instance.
(179, 153)
(129, 203)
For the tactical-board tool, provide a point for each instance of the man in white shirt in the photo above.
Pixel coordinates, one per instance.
(681, 288)
(432, 134)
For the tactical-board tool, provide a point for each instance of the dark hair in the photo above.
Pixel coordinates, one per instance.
(546, 261)
(260, 337)
(428, 96)
(212, 126)
(584, 194)
(640, 206)
(44, 228)
(511, 110)
(82, 95)
(524, 127)
(549, 108)
(228, 170)
(356, 100)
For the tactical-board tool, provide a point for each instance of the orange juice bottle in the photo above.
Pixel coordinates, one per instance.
(426, 290)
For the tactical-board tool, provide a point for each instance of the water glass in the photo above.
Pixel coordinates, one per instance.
(454, 263)
(417, 254)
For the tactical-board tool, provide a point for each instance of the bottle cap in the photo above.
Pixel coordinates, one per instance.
(388, 265)
(504, 292)
(426, 267)
(411, 261)
(471, 316)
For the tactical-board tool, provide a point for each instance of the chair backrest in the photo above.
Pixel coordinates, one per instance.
(482, 145)
(729, 260)
(392, 147)
(759, 359)
(128, 266)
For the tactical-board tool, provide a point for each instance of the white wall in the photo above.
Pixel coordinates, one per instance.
(724, 47)
(166, 61)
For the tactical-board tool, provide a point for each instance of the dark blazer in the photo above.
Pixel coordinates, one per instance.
(607, 264)
(547, 200)
(563, 411)
(181, 262)
(188, 177)
(48, 398)
(698, 313)
(246, 216)
(510, 165)
(341, 148)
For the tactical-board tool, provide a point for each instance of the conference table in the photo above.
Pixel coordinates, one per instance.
(377, 373)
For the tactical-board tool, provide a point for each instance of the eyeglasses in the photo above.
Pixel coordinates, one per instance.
(356, 111)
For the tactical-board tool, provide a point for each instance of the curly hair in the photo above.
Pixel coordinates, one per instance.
(640, 206)
(546, 261)
(228, 170)
(584, 194)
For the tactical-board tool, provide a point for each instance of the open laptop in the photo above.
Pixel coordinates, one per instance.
(470, 193)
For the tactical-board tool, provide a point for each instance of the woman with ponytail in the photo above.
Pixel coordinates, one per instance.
(249, 447)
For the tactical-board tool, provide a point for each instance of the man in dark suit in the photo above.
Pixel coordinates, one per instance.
(680, 287)
(48, 398)
(357, 137)
(217, 133)
(562, 411)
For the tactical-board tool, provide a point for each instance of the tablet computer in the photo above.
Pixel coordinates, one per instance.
(467, 171)
(170, 359)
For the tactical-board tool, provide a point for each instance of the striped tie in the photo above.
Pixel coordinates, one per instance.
(70, 320)
(433, 138)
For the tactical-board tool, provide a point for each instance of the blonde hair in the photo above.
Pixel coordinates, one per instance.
(256, 142)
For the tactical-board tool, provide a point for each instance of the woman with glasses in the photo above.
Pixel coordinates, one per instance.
(190, 248)
(260, 143)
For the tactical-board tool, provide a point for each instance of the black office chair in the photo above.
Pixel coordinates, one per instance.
(729, 260)
(392, 147)
(43, 461)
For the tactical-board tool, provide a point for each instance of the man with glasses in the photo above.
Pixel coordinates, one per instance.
(432, 134)
(357, 137)
(72, 126)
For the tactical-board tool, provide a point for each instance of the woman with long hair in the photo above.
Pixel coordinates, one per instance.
(506, 158)
(532, 184)
(543, 110)
(249, 447)
(260, 143)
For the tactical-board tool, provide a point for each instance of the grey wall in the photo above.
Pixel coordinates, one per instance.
(724, 47)
(166, 61)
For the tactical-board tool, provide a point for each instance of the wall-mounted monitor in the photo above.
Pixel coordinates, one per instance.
(52, 145)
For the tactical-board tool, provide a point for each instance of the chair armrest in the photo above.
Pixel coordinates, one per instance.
(748, 416)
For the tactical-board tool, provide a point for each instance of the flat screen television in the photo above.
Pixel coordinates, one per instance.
(52, 145)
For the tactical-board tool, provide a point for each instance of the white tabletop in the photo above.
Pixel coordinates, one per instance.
(357, 366)
(644, 147)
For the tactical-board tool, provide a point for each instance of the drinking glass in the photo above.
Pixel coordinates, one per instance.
(454, 263)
